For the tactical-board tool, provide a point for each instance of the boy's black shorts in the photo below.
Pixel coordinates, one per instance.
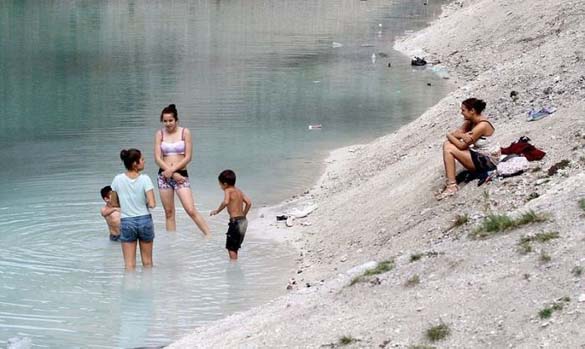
(236, 231)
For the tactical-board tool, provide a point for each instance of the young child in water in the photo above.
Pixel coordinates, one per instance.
(238, 205)
(111, 214)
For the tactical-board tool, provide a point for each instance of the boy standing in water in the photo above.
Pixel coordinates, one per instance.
(238, 205)
(111, 214)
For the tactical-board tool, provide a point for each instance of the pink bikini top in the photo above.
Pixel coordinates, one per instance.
(175, 148)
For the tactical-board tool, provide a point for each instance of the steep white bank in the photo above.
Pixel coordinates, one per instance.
(376, 203)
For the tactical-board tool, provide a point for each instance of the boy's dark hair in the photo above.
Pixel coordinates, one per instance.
(105, 191)
(227, 177)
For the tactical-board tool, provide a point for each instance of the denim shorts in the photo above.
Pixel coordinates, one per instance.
(137, 228)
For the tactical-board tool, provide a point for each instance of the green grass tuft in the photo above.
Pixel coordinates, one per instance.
(530, 217)
(421, 347)
(495, 223)
(582, 204)
(438, 332)
(345, 340)
(418, 256)
(556, 306)
(382, 267)
(577, 271)
(545, 313)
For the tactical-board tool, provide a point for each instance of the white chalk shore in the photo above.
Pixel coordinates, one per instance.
(375, 204)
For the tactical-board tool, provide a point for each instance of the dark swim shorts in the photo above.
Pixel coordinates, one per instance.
(481, 162)
(236, 231)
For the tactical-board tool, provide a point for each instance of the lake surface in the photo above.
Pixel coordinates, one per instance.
(81, 80)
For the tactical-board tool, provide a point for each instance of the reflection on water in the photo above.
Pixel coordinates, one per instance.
(136, 296)
(81, 80)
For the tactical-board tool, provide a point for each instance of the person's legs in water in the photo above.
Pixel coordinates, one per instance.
(128, 237)
(129, 252)
(167, 198)
(186, 197)
(146, 253)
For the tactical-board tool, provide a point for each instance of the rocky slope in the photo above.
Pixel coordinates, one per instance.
(376, 204)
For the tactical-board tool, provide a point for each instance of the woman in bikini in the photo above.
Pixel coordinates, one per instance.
(471, 145)
(173, 149)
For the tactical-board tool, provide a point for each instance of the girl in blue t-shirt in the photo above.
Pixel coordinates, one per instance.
(133, 193)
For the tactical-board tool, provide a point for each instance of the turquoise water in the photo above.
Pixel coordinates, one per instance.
(81, 80)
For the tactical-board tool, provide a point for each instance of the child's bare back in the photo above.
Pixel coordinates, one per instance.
(235, 198)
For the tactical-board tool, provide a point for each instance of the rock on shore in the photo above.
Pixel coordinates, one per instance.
(512, 289)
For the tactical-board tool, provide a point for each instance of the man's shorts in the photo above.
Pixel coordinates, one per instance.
(236, 231)
(137, 228)
(170, 183)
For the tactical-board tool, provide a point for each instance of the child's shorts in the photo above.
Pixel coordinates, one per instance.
(170, 183)
(236, 231)
(137, 228)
